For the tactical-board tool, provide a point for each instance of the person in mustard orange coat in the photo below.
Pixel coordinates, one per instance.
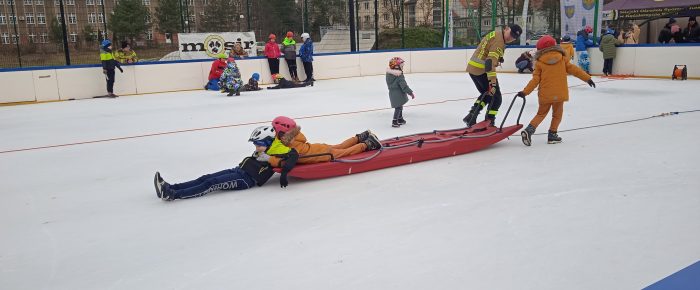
(288, 134)
(551, 70)
(568, 48)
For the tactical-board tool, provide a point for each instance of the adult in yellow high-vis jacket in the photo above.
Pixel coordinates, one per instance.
(482, 69)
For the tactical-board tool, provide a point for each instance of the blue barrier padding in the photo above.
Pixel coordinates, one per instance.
(686, 279)
(322, 54)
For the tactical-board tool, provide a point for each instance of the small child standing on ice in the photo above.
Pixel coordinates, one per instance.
(551, 70)
(398, 90)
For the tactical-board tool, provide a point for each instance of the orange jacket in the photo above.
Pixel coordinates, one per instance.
(296, 140)
(551, 70)
(568, 48)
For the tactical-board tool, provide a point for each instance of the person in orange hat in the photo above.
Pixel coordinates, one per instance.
(289, 47)
(272, 52)
(551, 70)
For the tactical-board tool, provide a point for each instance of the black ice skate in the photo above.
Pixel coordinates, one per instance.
(372, 142)
(363, 136)
(402, 121)
(470, 119)
(527, 135)
(553, 138)
(395, 123)
(158, 183)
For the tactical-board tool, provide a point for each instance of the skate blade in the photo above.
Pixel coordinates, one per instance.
(553, 142)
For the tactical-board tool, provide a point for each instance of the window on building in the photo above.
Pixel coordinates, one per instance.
(3, 20)
(58, 18)
(487, 22)
(29, 17)
(32, 38)
(89, 2)
(190, 2)
(148, 18)
(100, 17)
(366, 5)
(99, 2)
(13, 19)
(146, 2)
(69, 2)
(5, 38)
(92, 17)
(10, 2)
(38, 2)
(15, 38)
(367, 20)
(56, 3)
(191, 19)
(27, 2)
(386, 17)
(149, 35)
(44, 37)
(72, 19)
(73, 37)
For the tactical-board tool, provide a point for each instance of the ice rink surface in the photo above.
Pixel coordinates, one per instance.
(612, 207)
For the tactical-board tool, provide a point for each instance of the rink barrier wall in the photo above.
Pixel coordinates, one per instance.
(42, 84)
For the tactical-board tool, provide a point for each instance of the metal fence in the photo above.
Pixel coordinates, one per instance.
(68, 32)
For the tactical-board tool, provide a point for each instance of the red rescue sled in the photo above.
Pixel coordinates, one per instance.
(411, 149)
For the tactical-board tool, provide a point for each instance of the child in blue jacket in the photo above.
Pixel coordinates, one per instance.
(306, 53)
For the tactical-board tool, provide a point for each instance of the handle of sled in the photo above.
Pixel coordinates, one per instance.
(510, 107)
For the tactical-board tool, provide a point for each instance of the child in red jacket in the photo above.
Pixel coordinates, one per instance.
(217, 68)
(272, 52)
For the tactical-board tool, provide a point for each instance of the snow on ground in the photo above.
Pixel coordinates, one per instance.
(614, 207)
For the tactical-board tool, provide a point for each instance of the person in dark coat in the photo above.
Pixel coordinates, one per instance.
(524, 62)
(253, 171)
(252, 84)
(671, 31)
(692, 32)
(398, 90)
(289, 49)
(283, 83)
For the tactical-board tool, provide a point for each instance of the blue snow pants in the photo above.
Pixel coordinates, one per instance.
(213, 85)
(229, 179)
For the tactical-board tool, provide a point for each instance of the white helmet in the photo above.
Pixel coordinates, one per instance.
(262, 133)
(305, 35)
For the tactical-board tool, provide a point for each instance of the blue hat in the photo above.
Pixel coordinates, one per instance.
(256, 76)
(106, 43)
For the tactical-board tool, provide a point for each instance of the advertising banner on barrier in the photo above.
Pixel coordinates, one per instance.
(657, 12)
(577, 14)
(209, 45)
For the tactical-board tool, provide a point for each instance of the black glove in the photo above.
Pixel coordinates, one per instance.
(591, 83)
(289, 163)
(501, 60)
(520, 94)
(283, 180)
(120, 69)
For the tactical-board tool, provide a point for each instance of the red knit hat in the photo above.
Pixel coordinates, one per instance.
(290, 34)
(272, 35)
(546, 41)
